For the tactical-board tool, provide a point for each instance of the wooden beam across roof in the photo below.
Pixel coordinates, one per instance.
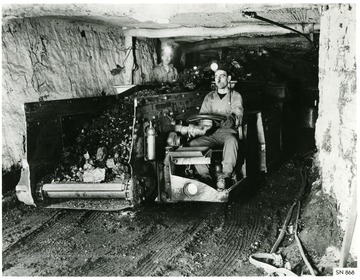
(248, 28)
(244, 41)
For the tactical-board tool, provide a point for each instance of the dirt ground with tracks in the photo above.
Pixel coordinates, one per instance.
(184, 239)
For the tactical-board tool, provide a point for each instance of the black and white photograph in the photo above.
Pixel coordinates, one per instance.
(179, 139)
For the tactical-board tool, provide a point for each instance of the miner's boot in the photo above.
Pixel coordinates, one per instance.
(223, 181)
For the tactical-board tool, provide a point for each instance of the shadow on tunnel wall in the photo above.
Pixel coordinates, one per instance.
(10, 178)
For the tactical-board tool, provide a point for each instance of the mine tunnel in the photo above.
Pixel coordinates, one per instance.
(179, 140)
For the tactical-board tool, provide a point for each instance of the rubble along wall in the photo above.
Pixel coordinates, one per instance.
(336, 126)
(51, 59)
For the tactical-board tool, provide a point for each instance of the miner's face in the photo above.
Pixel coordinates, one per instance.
(166, 58)
(221, 79)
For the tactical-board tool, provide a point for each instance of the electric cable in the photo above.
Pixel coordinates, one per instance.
(255, 16)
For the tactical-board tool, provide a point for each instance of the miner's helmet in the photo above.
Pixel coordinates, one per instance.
(215, 66)
(167, 49)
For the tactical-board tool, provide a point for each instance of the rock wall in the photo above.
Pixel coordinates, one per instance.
(47, 59)
(336, 126)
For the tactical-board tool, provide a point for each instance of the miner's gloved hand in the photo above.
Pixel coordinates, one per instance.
(229, 122)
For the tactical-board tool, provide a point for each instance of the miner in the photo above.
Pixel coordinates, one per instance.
(165, 72)
(227, 102)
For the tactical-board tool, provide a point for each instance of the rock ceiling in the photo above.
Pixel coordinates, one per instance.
(186, 24)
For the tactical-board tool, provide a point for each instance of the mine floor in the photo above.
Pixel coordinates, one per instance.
(189, 239)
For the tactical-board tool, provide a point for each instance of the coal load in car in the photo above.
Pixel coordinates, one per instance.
(142, 93)
(101, 151)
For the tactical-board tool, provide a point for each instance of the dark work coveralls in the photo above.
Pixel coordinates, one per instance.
(226, 137)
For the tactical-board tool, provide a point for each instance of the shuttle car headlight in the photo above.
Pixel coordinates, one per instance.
(190, 189)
